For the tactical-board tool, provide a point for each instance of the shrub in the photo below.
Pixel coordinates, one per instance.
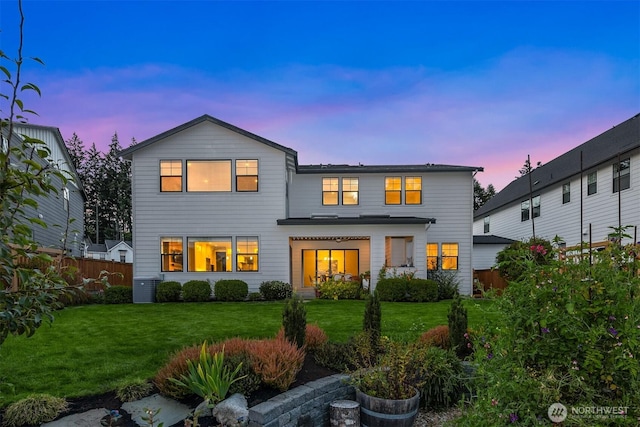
(134, 390)
(118, 295)
(230, 290)
(438, 375)
(314, 337)
(294, 320)
(274, 290)
(73, 295)
(437, 336)
(569, 332)
(168, 291)
(335, 355)
(371, 323)
(175, 368)
(332, 289)
(196, 291)
(249, 380)
(255, 296)
(392, 289)
(422, 290)
(514, 260)
(447, 280)
(277, 361)
(34, 410)
(458, 325)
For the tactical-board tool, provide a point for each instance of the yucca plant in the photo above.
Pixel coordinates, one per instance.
(209, 378)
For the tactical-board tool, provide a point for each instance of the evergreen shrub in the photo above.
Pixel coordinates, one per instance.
(118, 295)
(168, 291)
(196, 291)
(230, 290)
(275, 290)
(422, 290)
(294, 320)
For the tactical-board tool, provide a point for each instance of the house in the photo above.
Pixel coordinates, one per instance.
(485, 249)
(577, 196)
(213, 201)
(63, 212)
(111, 250)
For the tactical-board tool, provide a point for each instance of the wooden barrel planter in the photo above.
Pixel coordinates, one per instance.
(376, 412)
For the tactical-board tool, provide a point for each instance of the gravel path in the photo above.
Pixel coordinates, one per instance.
(436, 419)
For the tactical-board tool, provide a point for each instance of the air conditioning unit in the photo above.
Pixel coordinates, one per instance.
(144, 289)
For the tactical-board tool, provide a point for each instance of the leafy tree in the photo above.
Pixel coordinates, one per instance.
(28, 295)
(480, 195)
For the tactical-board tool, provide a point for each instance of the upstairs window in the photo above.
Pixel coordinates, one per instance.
(525, 211)
(486, 224)
(246, 253)
(413, 190)
(536, 207)
(330, 191)
(449, 256)
(592, 183)
(208, 175)
(170, 175)
(246, 175)
(350, 192)
(392, 190)
(622, 175)
(65, 199)
(566, 193)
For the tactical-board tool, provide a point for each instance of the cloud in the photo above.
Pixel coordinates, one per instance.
(491, 114)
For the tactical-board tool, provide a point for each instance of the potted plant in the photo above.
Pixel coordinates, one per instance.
(388, 393)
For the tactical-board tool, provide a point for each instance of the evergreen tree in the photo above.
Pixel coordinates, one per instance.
(92, 181)
(480, 195)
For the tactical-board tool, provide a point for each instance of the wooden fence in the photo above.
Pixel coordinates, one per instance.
(489, 279)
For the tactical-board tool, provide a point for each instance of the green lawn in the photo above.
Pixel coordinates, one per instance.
(92, 349)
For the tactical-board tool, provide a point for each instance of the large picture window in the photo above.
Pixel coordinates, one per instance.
(170, 175)
(392, 190)
(246, 253)
(622, 175)
(171, 256)
(246, 175)
(209, 254)
(325, 264)
(449, 256)
(330, 191)
(350, 191)
(413, 190)
(208, 175)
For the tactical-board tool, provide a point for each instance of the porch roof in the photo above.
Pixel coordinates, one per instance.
(361, 220)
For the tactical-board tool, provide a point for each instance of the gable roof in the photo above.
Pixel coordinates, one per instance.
(127, 152)
(606, 147)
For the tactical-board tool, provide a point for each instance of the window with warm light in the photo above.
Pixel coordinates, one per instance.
(209, 254)
(622, 175)
(170, 175)
(449, 256)
(246, 254)
(330, 191)
(350, 191)
(208, 175)
(592, 183)
(171, 258)
(392, 190)
(432, 256)
(246, 175)
(413, 190)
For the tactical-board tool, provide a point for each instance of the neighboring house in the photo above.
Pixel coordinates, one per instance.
(110, 250)
(485, 249)
(577, 196)
(213, 201)
(63, 212)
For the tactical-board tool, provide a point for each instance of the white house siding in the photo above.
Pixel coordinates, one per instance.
(600, 210)
(447, 197)
(193, 214)
(484, 256)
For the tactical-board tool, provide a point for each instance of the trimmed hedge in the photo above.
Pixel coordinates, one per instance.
(230, 290)
(275, 290)
(412, 290)
(196, 291)
(168, 291)
(337, 290)
(118, 295)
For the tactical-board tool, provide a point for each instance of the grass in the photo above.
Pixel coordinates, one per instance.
(95, 348)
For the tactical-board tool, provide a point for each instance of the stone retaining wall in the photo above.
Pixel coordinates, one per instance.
(303, 406)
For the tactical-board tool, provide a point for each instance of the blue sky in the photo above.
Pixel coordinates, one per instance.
(474, 83)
